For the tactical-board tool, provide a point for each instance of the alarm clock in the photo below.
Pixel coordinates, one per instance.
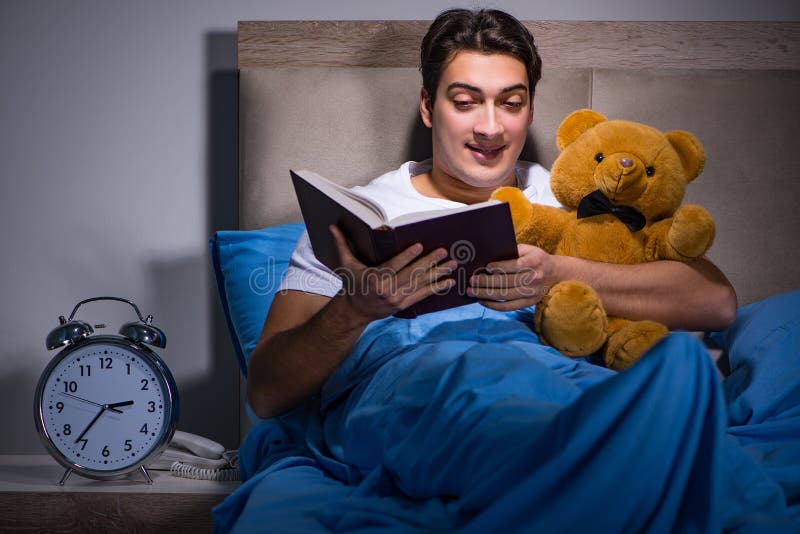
(105, 405)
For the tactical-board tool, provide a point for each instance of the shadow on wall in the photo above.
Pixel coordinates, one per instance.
(530, 150)
(222, 180)
(418, 146)
(209, 390)
(222, 148)
(204, 367)
(16, 395)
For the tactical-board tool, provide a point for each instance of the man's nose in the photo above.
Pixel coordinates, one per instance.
(488, 124)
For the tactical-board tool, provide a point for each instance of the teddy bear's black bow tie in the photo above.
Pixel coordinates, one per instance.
(596, 203)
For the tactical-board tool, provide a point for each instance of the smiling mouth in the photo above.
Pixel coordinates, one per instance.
(487, 151)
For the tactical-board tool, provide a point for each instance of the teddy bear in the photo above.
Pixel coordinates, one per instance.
(622, 183)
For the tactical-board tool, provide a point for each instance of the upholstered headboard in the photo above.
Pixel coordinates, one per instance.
(341, 98)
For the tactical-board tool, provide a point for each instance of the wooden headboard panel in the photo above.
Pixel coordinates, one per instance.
(564, 45)
(341, 98)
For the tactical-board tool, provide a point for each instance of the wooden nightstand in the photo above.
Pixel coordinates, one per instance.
(32, 501)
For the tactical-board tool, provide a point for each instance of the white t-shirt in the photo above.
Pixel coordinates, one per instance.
(395, 193)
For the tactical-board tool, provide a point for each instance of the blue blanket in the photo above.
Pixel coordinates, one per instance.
(461, 421)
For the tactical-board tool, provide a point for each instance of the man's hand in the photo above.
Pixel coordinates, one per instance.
(687, 295)
(307, 336)
(518, 283)
(377, 292)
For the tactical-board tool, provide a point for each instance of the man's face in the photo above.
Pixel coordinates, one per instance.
(480, 119)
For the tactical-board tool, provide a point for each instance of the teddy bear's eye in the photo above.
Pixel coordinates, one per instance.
(599, 157)
(650, 171)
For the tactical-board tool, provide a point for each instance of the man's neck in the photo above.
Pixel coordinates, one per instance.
(440, 185)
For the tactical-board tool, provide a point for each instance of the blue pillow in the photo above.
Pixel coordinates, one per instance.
(249, 266)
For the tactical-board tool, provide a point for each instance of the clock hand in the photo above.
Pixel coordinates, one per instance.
(82, 399)
(90, 425)
(115, 405)
(104, 406)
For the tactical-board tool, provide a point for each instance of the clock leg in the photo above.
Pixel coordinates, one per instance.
(64, 478)
(146, 475)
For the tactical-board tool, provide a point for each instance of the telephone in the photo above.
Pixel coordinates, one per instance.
(192, 456)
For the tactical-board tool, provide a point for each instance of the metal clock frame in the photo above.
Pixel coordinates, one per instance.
(172, 408)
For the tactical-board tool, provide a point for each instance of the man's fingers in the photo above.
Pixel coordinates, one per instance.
(404, 258)
(428, 267)
(409, 268)
(498, 279)
(420, 292)
(500, 293)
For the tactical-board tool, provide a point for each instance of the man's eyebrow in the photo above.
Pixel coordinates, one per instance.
(468, 87)
(462, 85)
(514, 88)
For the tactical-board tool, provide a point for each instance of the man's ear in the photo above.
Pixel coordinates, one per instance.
(425, 108)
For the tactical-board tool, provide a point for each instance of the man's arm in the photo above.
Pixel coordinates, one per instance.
(691, 296)
(305, 336)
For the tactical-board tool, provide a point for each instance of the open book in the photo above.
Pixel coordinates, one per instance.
(474, 235)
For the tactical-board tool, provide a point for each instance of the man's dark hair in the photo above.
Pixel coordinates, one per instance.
(486, 30)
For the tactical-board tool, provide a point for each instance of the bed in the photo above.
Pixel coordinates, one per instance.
(373, 451)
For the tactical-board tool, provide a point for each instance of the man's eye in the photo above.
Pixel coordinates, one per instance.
(514, 105)
(462, 104)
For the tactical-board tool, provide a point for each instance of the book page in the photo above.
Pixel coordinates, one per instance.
(362, 207)
(416, 216)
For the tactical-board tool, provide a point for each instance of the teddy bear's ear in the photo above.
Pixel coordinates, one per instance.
(575, 124)
(691, 152)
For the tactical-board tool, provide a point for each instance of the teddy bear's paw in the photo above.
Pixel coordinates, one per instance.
(521, 208)
(627, 344)
(691, 232)
(571, 319)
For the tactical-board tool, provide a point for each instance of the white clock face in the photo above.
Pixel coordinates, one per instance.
(104, 407)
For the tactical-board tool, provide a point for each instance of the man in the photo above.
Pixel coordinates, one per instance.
(479, 71)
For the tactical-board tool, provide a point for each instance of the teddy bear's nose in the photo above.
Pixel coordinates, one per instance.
(626, 162)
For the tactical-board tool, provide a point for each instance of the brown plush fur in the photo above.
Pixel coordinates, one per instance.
(653, 178)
